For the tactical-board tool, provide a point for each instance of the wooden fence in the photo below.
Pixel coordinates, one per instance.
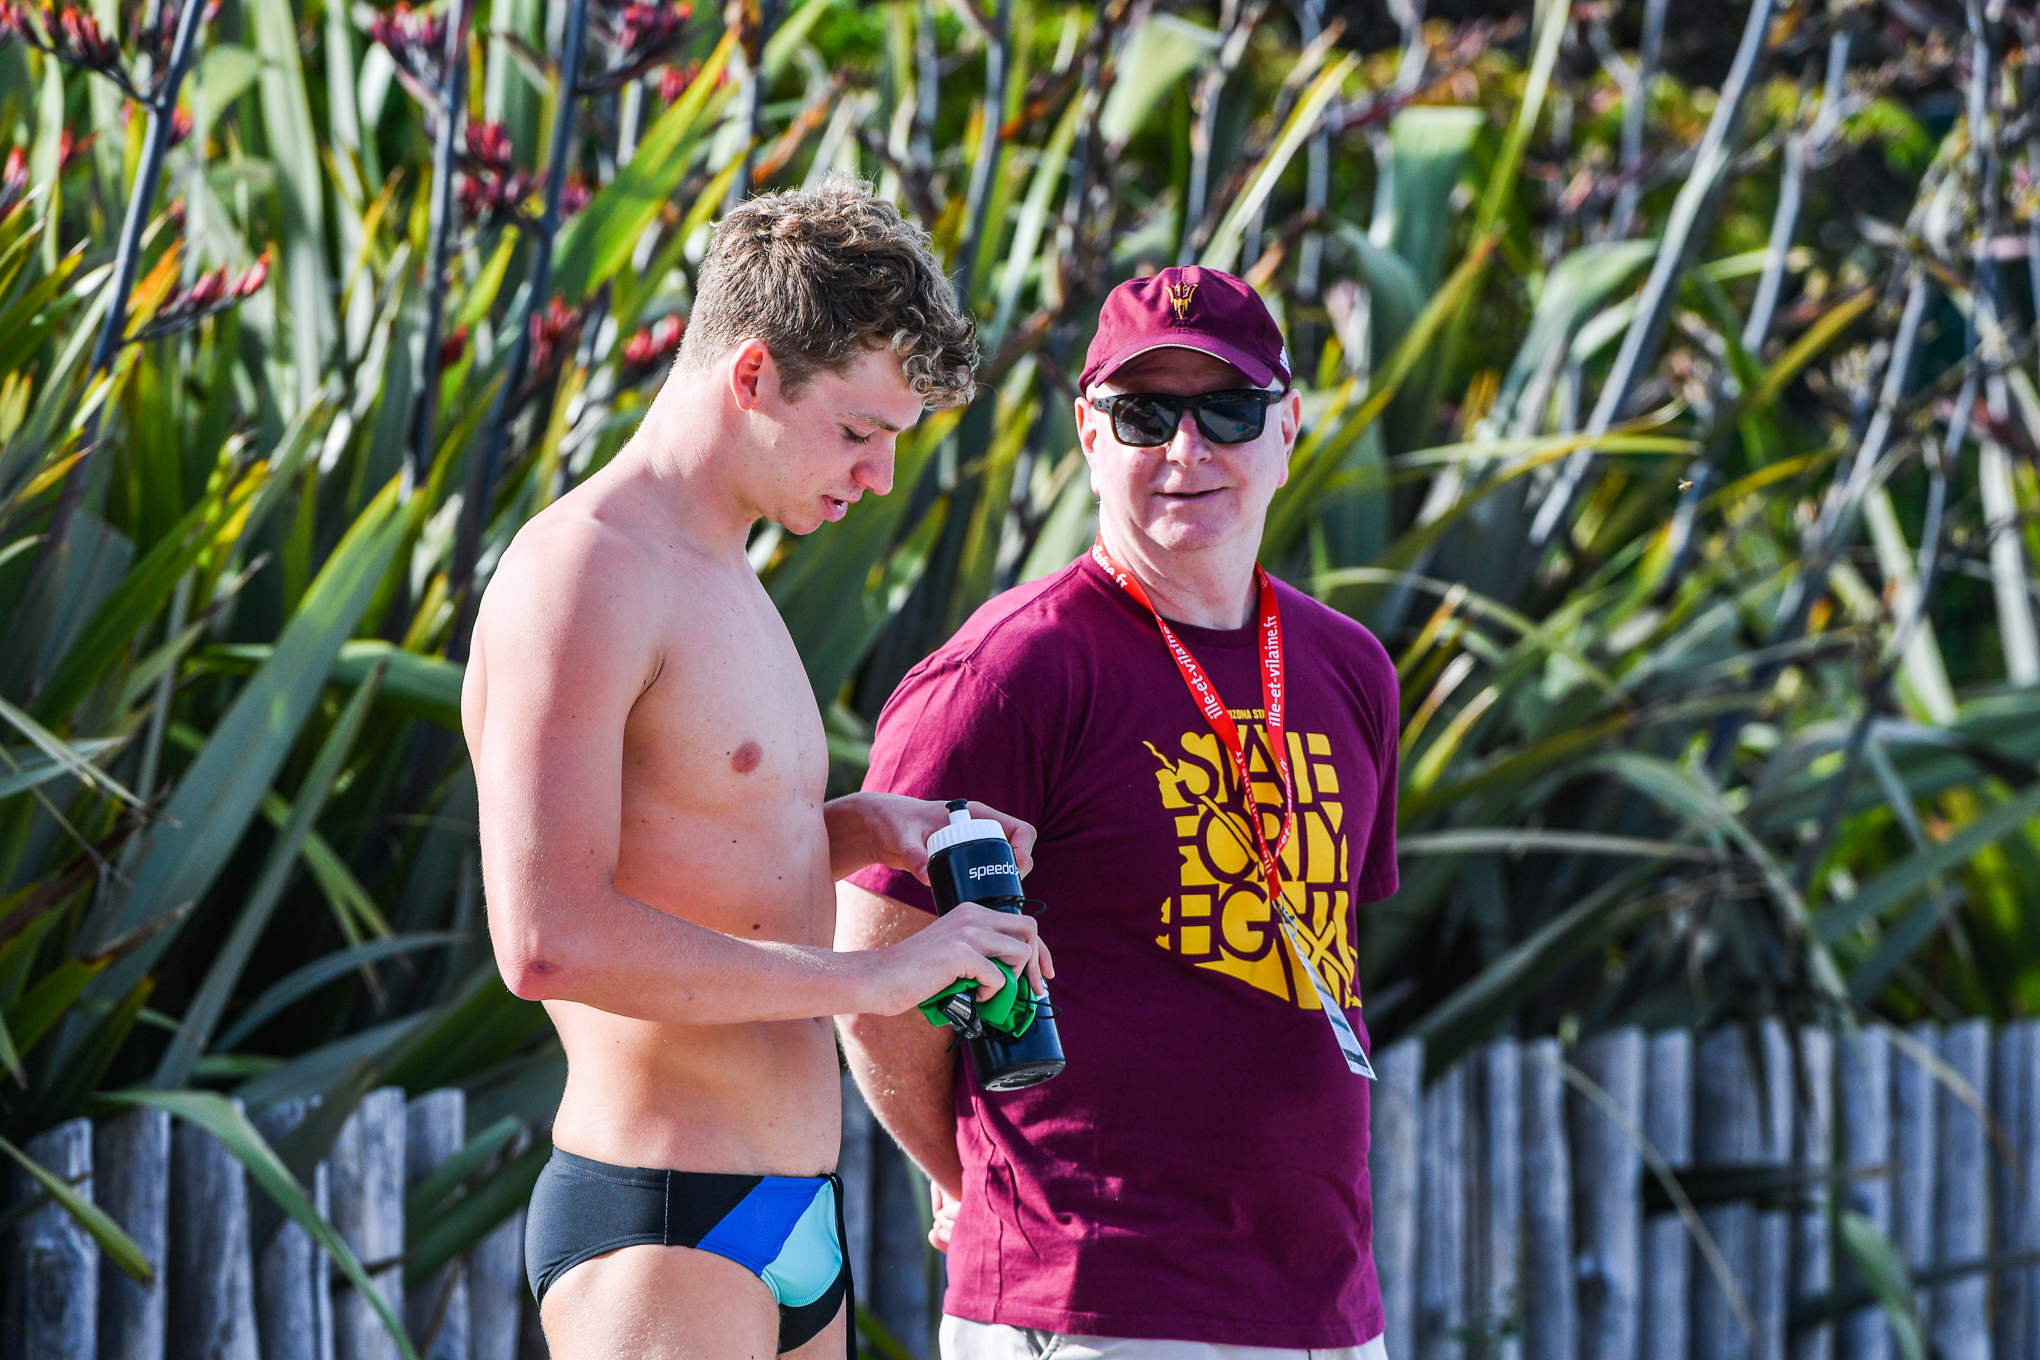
(184, 1200)
(1510, 1212)
(1510, 1201)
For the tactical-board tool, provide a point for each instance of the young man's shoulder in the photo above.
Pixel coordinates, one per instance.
(582, 527)
(577, 562)
(580, 583)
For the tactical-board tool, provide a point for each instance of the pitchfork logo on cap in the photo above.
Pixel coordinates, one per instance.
(1187, 307)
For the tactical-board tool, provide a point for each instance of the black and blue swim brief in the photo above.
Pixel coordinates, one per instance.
(786, 1230)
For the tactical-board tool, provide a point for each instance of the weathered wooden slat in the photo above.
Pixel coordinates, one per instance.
(1771, 1289)
(531, 1335)
(12, 1187)
(1494, 1128)
(293, 1277)
(1550, 1318)
(367, 1190)
(131, 1181)
(496, 1284)
(52, 1263)
(1441, 1219)
(2024, 1216)
(1607, 1198)
(1914, 1129)
(211, 1283)
(436, 1310)
(1394, 1124)
(1865, 1060)
(1726, 1130)
(1813, 1146)
(1961, 1324)
(2029, 1166)
(900, 1295)
(853, 1168)
(2016, 1194)
(1667, 1246)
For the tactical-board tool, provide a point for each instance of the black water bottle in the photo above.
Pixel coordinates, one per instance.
(970, 861)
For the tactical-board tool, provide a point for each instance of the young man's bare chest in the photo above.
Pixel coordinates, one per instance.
(725, 769)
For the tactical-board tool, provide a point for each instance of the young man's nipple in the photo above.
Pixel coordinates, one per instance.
(747, 757)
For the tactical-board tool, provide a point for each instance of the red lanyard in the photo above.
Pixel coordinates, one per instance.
(1205, 694)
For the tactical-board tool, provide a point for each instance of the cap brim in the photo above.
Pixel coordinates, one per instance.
(1258, 372)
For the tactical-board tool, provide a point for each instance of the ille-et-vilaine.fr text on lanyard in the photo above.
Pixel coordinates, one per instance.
(1205, 694)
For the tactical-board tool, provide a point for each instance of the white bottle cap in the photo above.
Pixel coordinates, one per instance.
(964, 827)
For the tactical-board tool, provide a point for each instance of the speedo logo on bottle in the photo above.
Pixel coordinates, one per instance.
(978, 871)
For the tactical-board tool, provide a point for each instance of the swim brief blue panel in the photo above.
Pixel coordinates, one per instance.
(786, 1230)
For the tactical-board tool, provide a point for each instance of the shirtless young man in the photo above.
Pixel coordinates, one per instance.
(658, 856)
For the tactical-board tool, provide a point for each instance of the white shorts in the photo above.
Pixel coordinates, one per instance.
(963, 1339)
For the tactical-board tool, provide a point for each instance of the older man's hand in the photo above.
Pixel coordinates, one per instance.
(945, 1207)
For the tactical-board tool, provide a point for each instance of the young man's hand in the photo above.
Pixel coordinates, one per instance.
(889, 829)
(961, 944)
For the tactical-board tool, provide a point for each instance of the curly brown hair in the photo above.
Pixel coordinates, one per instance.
(824, 276)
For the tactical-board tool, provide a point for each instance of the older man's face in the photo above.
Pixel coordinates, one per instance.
(1190, 494)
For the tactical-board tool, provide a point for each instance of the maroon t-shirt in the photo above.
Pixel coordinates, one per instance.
(1199, 1170)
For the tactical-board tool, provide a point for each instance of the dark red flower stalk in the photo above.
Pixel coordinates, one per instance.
(637, 36)
(575, 195)
(452, 347)
(639, 29)
(14, 24)
(410, 35)
(70, 147)
(491, 187)
(208, 295)
(674, 80)
(553, 333)
(652, 343)
(416, 42)
(155, 43)
(73, 36)
(88, 47)
(488, 147)
(180, 127)
(13, 183)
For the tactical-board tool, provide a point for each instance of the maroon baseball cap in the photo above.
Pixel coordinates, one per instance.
(1187, 307)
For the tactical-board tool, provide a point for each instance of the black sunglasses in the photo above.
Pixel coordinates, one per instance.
(1145, 419)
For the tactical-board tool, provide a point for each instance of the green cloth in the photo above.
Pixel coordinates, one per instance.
(1010, 1011)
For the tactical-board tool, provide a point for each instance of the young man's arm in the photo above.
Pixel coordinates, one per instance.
(560, 663)
(902, 1064)
(893, 830)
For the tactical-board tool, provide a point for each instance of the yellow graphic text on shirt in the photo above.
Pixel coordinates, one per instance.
(1220, 918)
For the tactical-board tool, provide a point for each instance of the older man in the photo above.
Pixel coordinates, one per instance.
(1184, 732)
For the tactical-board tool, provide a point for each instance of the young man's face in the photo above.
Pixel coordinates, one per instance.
(1189, 494)
(835, 442)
